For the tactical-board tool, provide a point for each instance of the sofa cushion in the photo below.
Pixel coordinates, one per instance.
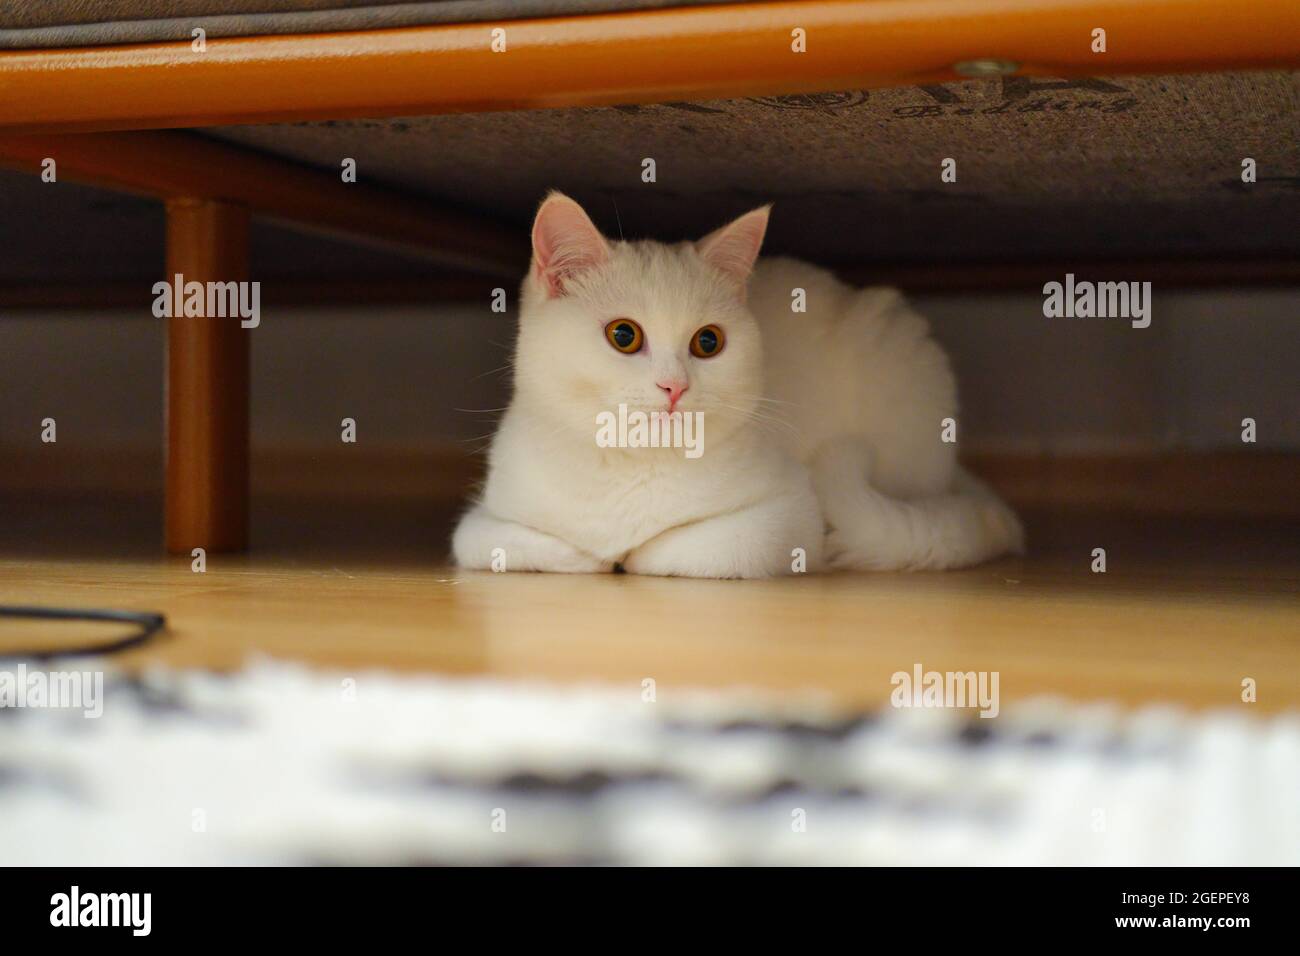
(66, 23)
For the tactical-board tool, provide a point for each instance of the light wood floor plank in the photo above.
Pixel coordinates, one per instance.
(1187, 609)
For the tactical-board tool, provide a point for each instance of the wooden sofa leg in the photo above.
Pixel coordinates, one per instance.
(207, 384)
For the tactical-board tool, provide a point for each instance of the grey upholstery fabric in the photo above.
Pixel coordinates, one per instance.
(1093, 168)
(1046, 170)
(64, 23)
(25, 13)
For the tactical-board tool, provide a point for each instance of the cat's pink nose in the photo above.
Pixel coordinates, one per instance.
(675, 388)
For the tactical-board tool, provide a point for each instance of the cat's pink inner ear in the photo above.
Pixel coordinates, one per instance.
(733, 249)
(565, 242)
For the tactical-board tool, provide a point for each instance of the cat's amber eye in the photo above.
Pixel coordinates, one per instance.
(707, 342)
(625, 335)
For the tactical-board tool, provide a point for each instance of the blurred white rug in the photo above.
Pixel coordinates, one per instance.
(280, 765)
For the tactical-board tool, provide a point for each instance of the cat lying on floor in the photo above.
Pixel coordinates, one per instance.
(824, 427)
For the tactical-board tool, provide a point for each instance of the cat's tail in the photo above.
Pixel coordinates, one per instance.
(868, 530)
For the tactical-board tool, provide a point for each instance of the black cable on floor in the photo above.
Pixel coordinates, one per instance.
(147, 623)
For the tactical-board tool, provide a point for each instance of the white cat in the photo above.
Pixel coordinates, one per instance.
(822, 433)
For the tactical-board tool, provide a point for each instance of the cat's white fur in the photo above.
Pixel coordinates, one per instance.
(822, 428)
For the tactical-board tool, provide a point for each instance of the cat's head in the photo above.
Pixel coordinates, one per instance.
(655, 327)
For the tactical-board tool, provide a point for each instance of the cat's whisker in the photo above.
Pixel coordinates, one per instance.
(485, 442)
(758, 418)
(747, 397)
(493, 371)
(729, 397)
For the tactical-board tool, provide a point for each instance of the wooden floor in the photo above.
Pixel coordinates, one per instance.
(1186, 610)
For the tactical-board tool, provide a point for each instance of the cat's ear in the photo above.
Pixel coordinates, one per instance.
(733, 249)
(565, 242)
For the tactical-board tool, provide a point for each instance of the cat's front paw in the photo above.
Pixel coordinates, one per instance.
(1004, 528)
(766, 541)
(485, 543)
(664, 558)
